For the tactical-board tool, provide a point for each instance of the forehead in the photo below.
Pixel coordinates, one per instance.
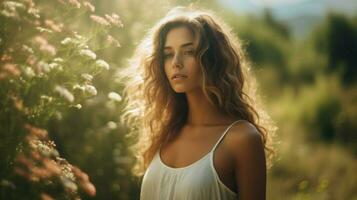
(179, 36)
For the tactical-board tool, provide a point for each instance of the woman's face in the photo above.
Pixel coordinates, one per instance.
(179, 58)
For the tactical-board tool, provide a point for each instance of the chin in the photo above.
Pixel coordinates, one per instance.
(179, 91)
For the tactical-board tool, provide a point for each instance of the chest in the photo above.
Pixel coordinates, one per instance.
(191, 145)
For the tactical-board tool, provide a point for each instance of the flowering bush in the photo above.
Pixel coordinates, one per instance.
(46, 68)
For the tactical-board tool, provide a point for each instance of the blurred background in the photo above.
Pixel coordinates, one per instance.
(61, 95)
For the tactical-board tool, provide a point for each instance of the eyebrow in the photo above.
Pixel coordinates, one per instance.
(182, 45)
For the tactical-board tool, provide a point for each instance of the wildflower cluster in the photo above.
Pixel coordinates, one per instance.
(46, 68)
(41, 165)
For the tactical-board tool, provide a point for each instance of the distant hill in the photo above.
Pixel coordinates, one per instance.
(301, 26)
(300, 16)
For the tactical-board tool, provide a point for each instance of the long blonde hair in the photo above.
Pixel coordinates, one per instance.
(155, 113)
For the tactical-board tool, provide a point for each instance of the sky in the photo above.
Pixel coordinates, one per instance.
(283, 9)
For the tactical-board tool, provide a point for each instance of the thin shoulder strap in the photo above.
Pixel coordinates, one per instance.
(224, 133)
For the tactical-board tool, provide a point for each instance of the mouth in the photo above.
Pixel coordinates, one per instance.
(178, 77)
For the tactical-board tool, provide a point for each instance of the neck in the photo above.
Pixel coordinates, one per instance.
(202, 113)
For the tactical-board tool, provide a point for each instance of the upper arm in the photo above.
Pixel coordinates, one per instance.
(247, 149)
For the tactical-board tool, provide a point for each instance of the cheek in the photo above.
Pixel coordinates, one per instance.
(194, 68)
(166, 69)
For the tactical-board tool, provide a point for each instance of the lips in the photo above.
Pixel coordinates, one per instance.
(178, 76)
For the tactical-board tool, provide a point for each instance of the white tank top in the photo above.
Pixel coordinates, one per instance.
(197, 181)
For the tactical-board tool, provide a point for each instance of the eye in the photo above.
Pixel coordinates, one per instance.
(168, 55)
(189, 52)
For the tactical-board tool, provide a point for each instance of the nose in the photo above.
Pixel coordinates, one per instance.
(176, 62)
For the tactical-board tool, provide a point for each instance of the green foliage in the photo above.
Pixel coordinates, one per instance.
(265, 44)
(337, 40)
(310, 89)
(328, 92)
(322, 108)
(93, 137)
(46, 69)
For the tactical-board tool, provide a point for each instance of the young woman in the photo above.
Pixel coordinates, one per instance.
(190, 97)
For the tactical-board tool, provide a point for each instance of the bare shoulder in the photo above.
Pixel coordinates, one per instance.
(243, 133)
(244, 141)
(246, 146)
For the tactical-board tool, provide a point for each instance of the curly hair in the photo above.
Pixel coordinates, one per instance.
(155, 112)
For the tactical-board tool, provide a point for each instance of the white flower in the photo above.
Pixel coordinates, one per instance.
(90, 89)
(78, 106)
(58, 60)
(112, 125)
(88, 54)
(12, 5)
(47, 98)
(87, 77)
(53, 65)
(25, 48)
(102, 64)
(79, 87)
(44, 66)
(42, 30)
(11, 9)
(29, 72)
(114, 96)
(77, 36)
(64, 93)
(67, 41)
